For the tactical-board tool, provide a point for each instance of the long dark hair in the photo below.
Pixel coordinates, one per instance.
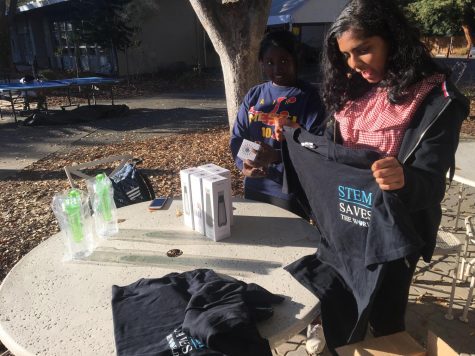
(408, 60)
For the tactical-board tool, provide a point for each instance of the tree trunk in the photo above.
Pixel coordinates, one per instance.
(449, 47)
(115, 60)
(77, 50)
(126, 52)
(468, 37)
(235, 28)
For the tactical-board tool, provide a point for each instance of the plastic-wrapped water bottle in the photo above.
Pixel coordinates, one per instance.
(105, 211)
(71, 208)
(102, 190)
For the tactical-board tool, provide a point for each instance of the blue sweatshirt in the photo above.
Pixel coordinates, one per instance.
(254, 122)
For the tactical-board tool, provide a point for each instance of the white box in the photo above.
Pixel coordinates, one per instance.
(217, 207)
(246, 151)
(186, 195)
(197, 200)
(215, 169)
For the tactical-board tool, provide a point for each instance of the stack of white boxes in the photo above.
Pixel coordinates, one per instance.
(206, 194)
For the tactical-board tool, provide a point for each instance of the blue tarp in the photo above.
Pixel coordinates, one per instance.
(304, 11)
(281, 11)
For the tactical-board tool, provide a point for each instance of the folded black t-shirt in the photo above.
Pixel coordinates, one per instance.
(193, 313)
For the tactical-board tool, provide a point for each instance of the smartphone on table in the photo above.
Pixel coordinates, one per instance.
(158, 203)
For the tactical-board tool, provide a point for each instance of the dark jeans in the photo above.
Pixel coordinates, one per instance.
(291, 205)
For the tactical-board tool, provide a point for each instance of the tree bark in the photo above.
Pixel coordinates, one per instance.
(468, 37)
(115, 60)
(449, 47)
(468, 25)
(235, 28)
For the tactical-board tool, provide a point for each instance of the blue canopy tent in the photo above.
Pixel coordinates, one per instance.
(307, 19)
(304, 11)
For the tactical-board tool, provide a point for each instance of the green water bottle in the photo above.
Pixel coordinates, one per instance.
(102, 188)
(72, 208)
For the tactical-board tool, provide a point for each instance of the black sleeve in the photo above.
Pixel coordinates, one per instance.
(290, 180)
(425, 172)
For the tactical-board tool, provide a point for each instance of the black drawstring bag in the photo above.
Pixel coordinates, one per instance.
(131, 186)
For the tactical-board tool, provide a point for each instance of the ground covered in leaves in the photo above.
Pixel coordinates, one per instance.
(25, 199)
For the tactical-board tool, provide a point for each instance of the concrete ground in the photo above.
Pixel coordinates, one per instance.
(162, 114)
(165, 114)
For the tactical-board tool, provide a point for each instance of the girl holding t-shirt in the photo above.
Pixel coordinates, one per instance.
(387, 94)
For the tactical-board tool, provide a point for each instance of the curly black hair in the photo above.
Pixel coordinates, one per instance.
(408, 62)
(280, 39)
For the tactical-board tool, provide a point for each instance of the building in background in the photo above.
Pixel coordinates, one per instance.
(170, 36)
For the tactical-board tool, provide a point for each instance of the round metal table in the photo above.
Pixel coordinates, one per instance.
(53, 307)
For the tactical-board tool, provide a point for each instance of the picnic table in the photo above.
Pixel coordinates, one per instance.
(90, 83)
(52, 307)
(11, 92)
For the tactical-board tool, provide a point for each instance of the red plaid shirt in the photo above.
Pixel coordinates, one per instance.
(373, 122)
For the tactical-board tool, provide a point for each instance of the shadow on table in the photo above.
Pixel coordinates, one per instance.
(246, 230)
(272, 231)
(123, 251)
(182, 262)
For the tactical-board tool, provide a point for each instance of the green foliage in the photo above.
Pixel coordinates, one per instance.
(103, 22)
(140, 10)
(439, 17)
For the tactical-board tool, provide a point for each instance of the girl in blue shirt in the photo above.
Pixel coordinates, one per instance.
(283, 99)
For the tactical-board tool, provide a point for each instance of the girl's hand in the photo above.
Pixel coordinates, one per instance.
(279, 128)
(249, 169)
(388, 173)
(265, 155)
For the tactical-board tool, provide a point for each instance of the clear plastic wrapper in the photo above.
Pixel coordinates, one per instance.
(72, 211)
(101, 193)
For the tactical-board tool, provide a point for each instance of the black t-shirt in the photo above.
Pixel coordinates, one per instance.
(360, 226)
(192, 313)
